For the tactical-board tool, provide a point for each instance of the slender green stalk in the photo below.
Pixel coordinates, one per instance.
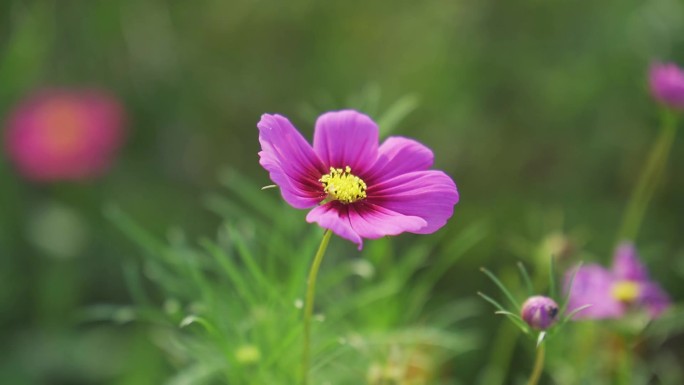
(649, 178)
(626, 361)
(538, 365)
(309, 304)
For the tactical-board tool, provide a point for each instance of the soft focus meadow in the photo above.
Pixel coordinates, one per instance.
(157, 228)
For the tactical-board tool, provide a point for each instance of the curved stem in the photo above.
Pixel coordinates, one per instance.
(309, 304)
(538, 366)
(649, 178)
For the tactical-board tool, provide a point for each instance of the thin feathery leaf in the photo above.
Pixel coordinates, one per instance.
(137, 234)
(526, 278)
(566, 299)
(501, 286)
(552, 277)
(229, 267)
(572, 313)
(396, 113)
(568, 317)
(492, 301)
(194, 319)
(249, 260)
(508, 313)
(515, 319)
(131, 274)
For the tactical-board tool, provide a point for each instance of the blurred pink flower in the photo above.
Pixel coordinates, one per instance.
(611, 293)
(63, 134)
(666, 81)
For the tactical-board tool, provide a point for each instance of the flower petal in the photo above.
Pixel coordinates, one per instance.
(626, 264)
(592, 286)
(654, 299)
(373, 221)
(398, 155)
(346, 138)
(430, 195)
(666, 81)
(335, 216)
(290, 161)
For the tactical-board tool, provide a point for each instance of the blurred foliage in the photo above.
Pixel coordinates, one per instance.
(538, 109)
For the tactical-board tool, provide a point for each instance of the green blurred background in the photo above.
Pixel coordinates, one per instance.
(538, 109)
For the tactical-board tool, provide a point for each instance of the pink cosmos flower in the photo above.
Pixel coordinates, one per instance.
(64, 134)
(611, 293)
(355, 187)
(666, 81)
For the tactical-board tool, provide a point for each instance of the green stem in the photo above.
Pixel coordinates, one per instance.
(626, 361)
(309, 304)
(649, 178)
(538, 366)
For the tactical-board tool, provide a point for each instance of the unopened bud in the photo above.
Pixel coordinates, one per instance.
(539, 312)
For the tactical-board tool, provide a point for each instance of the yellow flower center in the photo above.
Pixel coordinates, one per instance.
(341, 185)
(625, 291)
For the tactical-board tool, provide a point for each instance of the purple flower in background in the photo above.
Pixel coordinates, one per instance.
(666, 81)
(539, 312)
(65, 134)
(611, 293)
(355, 187)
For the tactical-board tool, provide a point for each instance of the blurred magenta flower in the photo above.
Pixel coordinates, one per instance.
(666, 81)
(64, 134)
(611, 293)
(539, 312)
(357, 188)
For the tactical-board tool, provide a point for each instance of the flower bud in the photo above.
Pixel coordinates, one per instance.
(539, 312)
(666, 81)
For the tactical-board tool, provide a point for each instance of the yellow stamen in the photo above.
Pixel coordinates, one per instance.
(341, 185)
(625, 291)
